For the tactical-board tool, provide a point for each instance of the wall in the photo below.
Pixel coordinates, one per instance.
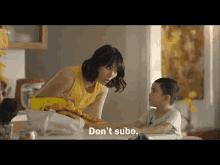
(45, 63)
(155, 58)
(71, 45)
(216, 73)
(133, 102)
(207, 114)
(15, 68)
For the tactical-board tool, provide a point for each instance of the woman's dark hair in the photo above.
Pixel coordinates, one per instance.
(105, 56)
(170, 87)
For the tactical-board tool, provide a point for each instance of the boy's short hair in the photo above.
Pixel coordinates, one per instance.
(170, 87)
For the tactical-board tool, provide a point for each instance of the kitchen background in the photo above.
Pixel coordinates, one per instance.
(141, 48)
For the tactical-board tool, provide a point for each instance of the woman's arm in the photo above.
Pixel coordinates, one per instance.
(116, 125)
(95, 109)
(59, 84)
(136, 124)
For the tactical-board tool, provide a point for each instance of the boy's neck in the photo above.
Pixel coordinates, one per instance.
(163, 109)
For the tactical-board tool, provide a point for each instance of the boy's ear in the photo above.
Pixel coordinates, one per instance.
(167, 97)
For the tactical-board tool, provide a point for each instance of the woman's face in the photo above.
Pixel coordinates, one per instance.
(106, 74)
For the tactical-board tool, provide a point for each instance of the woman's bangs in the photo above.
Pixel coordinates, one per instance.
(111, 61)
(115, 58)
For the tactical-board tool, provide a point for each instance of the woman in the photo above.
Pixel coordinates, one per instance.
(78, 87)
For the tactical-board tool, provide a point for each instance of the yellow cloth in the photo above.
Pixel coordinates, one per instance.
(78, 93)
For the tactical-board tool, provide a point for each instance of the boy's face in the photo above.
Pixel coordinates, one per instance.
(156, 97)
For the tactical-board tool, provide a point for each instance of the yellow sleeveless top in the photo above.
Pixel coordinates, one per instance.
(78, 94)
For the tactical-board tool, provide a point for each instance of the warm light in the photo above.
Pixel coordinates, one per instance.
(3, 39)
(3, 45)
(187, 101)
(193, 108)
(192, 94)
(2, 53)
(177, 64)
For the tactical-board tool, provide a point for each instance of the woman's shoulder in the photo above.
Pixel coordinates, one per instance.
(65, 75)
(104, 89)
(71, 70)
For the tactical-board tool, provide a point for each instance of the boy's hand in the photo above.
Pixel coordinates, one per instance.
(139, 130)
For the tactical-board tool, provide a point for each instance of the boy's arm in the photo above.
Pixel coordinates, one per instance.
(174, 120)
(165, 128)
(136, 124)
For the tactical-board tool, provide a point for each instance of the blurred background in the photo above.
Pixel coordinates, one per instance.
(188, 54)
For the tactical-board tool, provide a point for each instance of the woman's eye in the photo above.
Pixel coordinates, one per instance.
(109, 68)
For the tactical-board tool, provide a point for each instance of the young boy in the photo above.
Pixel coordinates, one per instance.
(163, 119)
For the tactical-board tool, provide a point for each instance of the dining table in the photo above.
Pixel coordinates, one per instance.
(86, 134)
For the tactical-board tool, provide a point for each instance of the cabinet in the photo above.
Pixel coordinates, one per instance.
(40, 45)
(206, 135)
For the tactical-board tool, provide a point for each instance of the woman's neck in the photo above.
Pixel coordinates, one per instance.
(88, 84)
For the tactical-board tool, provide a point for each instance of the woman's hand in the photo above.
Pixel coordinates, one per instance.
(113, 126)
(121, 125)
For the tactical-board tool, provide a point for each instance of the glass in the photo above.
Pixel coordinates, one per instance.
(28, 135)
(6, 132)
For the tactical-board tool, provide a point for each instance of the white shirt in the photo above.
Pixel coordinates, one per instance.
(172, 117)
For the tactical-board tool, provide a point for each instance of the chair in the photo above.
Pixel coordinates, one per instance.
(185, 137)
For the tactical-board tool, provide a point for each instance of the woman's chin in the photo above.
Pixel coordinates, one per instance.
(104, 82)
